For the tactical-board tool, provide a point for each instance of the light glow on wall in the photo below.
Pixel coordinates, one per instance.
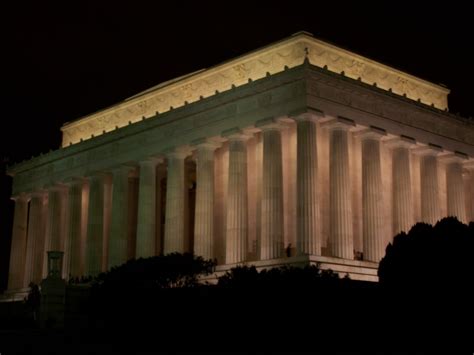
(270, 60)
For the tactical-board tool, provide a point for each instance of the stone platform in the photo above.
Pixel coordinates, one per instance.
(14, 295)
(355, 269)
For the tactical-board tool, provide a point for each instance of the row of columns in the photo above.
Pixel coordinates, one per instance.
(271, 243)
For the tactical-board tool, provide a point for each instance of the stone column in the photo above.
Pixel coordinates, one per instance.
(55, 222)
(402, 204)
(147, 204)
(16, 272)
(161, 172)
(271, 245)
(75, 251)
(35, 240)
(430, 204)
(175, 203)
(204, 212)
(308, 229)
(469, 166)
(455, 185)
(372, 195)
(118, 240)
(40, 252)
(237, 206)
(95, 226)
(341, 242)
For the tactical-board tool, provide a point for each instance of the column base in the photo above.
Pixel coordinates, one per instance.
(15, 295)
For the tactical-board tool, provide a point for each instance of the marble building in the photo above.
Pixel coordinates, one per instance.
(299, 152)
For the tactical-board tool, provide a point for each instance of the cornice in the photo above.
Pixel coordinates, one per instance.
(269, 60)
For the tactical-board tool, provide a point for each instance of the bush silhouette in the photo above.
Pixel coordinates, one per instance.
(288, 277)
(159, 272)
(439, 258)
(138, 289)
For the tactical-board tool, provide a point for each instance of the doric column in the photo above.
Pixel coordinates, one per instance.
(469, 166)
(118, 240)
(95, 225)
(237, 207)
(455, 185)
(402, 198)
(340, 202)
(75, 250)
(146, 224)
(16, 272)
(55, 222)
(308, 230)
(271, 245)
(35, 240)
(40, 252)
(175, 203)
(372, 195)
(204, 212)
(430, 204)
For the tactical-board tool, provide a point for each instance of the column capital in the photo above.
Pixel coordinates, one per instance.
(22, 196)
(151, 161)
(341, 123)
(73, 180)
(56, 186)
(307, 114)
(469, 165)
(96, 174)
(401, 142)
(374, 133)
(180, 152)
(207, 143)
(123, 168)
(456, 157)
(236, 134)
(38, 193)
(269, 124)
(428, 150)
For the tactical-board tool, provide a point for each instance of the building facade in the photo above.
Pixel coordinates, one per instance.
(299, 152)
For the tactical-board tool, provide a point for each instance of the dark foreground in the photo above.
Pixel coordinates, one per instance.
(349, 316)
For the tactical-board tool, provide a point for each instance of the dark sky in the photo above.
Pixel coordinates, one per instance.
(63, 60)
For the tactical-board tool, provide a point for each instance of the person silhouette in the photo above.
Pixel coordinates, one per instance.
(288, 250)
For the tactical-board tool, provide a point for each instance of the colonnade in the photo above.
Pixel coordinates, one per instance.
(89, 218)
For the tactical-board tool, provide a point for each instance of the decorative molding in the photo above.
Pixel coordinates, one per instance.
(366, 100)
(256, 65)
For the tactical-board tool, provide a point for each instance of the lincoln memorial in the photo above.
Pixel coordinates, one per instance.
(296, 153)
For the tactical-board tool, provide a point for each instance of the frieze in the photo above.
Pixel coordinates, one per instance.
(364, 100)
(270, 60)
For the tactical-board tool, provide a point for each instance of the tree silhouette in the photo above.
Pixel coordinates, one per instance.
(164, 271)
(288, 277)
(439, 258)
(136, 291)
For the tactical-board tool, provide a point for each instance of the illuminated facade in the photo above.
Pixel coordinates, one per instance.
(299, 152)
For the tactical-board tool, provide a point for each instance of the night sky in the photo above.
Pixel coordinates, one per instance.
(62, 61)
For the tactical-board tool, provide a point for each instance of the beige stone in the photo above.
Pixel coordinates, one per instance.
(237, 202)
(18, 256)
(272, 59)
(147, 209)
(306, 173)
(204, 213)
(271, 242)
(175, 203)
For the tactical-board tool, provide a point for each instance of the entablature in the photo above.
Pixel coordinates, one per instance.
(288, 53)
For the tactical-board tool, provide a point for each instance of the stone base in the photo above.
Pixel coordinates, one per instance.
(53, 301)
(16, 295)
(355, 269)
